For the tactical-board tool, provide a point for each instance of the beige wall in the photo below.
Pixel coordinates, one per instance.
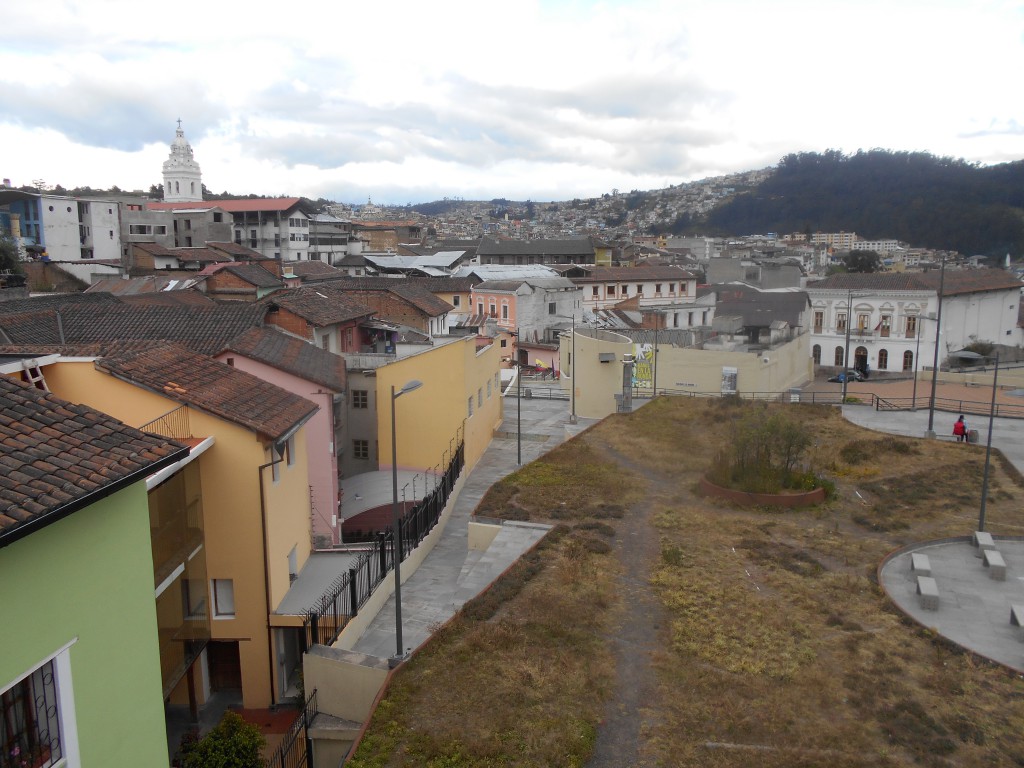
(231, 506)
(431, 416)
(683, 370)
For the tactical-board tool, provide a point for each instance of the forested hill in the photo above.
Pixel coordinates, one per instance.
(915, 197)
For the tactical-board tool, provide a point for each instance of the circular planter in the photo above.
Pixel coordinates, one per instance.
(743, 498)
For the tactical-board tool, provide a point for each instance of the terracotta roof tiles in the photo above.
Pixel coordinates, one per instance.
(55, 455)
(204, 383)
(293, 355)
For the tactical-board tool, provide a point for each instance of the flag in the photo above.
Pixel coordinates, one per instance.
(539, 362)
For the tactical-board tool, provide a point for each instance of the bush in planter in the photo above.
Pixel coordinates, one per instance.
(763, 454)
(233, 743)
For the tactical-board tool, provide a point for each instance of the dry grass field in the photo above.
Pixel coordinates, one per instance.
(758, 637)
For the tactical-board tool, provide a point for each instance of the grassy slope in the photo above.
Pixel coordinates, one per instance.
(782, 649)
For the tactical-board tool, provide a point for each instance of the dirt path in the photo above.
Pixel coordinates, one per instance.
(642, 634)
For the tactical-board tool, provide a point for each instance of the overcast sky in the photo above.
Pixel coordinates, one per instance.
(413, 101)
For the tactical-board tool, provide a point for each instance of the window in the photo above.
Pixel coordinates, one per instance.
(908, 360)
(841, 324)
(504, 311)
(493, 312)
(611, 291)
(488, 389)
(639, 290)
(885, 326)
(456, 301)
(551, 308)
(223, 598)
(819, 320)
(657, 289)
(480, 397)
(883, 359)
(480, 308)
(504, 343)
(361, 449)
(31, 711)
(594, 292)
(218, 217)
(816, 354)
(839, 355)
(911, 330)
(469, 403)
(360, 398)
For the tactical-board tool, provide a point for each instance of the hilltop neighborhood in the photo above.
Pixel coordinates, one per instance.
(216, 408)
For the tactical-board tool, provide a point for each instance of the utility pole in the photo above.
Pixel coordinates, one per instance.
(935, 359)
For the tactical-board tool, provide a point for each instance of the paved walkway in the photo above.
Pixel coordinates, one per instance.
(974, 609)
(451, 574)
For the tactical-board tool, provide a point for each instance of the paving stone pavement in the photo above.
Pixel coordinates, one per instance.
(451, 574)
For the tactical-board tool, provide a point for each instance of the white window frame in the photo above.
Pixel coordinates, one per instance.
(66, 718)
(222, 600)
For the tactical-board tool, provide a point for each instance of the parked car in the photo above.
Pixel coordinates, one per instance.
(847, 375)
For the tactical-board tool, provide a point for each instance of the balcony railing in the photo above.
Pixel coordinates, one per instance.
(172, 424)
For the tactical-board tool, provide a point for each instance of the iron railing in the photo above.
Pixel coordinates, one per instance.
(296, 748)
(173, 424)
(340, 603)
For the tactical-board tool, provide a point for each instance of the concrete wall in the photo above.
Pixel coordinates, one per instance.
(687, 370)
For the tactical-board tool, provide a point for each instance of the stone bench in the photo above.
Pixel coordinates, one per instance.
(982, 540)
(1017, 615)
(993, 560)
(919, 564)
(929, 592)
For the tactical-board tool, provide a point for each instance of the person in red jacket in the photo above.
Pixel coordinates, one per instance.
(960, 430)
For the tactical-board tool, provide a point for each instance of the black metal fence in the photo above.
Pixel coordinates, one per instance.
(326, 618)
(296, 749)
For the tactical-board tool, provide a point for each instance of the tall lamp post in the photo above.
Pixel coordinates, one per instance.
(519, 402)
(846, 351)
(396, 542)
(935, 359)
(988, 448)
(572, 366)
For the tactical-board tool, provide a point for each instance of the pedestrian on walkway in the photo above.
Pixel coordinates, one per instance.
(960, 430)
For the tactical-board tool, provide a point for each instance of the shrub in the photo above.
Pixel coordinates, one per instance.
(233, 743)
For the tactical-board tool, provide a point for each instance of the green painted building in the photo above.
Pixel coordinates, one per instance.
(80, 674)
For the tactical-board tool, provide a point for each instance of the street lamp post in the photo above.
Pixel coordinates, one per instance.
(396, 541)
(572, 365)
(988, 447)
(519, 401)
(846, 351)
(935, 359)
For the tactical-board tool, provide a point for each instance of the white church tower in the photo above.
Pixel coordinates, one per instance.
(183, 181)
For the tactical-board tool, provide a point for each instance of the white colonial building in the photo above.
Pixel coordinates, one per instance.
(891, 317)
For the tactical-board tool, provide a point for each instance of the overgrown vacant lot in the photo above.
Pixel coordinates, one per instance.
(768, 640)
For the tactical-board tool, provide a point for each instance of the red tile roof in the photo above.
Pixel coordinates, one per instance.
(321, 305)
(956, 281)
(287, 353)
(57, 457)
(247, 205)
(208, 385)
(204, 329)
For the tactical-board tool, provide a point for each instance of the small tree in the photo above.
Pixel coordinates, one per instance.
(763, 453)
(233, 743)
(9, 261)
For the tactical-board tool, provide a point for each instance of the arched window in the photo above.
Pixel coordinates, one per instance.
(839, 355)
(177, 189)
(816, 354)
(908, 361)
(883, 359)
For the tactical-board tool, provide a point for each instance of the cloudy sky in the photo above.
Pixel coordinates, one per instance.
(536, 99)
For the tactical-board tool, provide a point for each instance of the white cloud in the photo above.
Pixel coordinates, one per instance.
(534, 100)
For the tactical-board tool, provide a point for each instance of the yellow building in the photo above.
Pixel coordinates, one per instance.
(255, 493)
(461, 395)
